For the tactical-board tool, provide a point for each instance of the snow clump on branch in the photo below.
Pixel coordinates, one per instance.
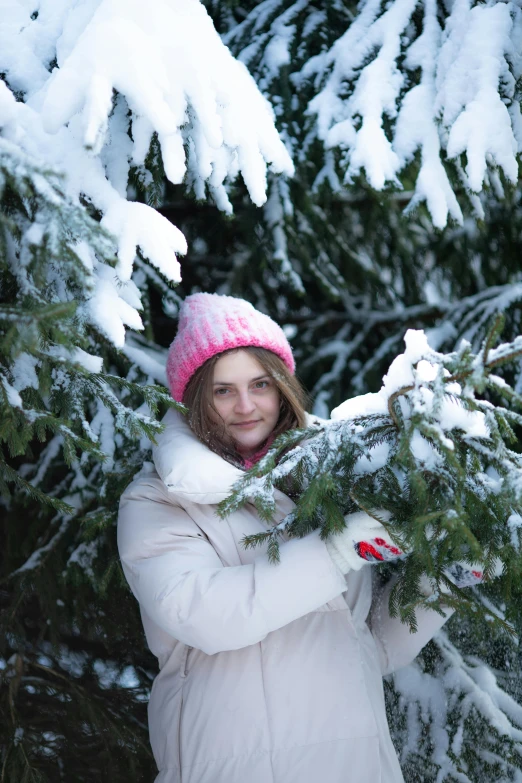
(128, 76)
(412, 369)
(464, 103)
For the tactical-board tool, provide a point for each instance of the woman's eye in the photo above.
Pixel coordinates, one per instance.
(221, 392)
(261, 385)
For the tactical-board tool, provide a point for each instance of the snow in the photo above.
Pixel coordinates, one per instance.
(417, 369)
(375, 459)
(34, 560)
(103, 427)
(479, 120)
(108, 311)
(399, 376)
(463, 108)
(429, 701)
(277, 52)
(92, 364)
(50, 452)
(151, 361)
(7, 104)
(125, 72)
(109, 675)
(473, 423)
(424, 453)
(138, 52)
(498, 353)
(362, 405)
(23, 371)
(277, 208)
(514, 524)
(138, 226)
(417, 127)
(10, 393)
(84, 555)
(18, 736)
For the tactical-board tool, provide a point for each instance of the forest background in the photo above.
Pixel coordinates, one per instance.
(391, 201)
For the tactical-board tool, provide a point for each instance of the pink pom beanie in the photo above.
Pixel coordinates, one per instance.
(210, 324)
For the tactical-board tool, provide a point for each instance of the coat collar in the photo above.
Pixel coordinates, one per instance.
(188, 467)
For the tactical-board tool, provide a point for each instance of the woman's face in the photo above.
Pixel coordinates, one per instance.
(246, 398)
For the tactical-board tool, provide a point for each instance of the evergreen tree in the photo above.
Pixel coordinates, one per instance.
(71, 435)
(392, 271)
(110, 96)
(79, 399)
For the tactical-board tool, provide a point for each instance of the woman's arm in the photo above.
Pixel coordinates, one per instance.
(396, 645)
(182, 585)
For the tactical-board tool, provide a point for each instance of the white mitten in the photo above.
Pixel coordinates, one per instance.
(464, 575)
(364, 540)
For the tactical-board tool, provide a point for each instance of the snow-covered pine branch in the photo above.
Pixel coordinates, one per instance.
(408, 80)
(429, 448)
(103, 81)
(448, 706)
(54, 258)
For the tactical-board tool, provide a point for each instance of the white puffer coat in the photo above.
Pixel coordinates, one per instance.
(268, 673)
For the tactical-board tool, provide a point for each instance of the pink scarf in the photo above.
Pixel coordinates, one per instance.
(254, 459)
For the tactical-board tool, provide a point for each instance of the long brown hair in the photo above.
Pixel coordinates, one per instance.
(202, 417)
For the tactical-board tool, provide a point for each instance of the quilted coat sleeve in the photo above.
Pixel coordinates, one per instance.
(396, 645)
(182, 585)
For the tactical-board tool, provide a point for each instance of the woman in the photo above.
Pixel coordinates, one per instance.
(269, 673)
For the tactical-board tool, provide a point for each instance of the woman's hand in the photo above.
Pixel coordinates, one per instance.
(364, 540)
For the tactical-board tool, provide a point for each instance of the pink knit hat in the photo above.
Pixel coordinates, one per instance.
(210, 324)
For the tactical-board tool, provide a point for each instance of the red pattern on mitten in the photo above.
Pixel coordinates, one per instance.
(378, 550)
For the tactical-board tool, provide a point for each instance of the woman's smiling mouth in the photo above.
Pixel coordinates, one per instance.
(245, 424)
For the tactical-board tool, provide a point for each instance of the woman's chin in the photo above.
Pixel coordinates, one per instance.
(248, 447)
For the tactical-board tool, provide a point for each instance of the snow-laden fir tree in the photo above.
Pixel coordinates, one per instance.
(93, 101)
(75, 416)
(380, 273)
(136, 105)
(418, 91)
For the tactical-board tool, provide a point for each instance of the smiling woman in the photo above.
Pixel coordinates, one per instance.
(239, 401)
(268, 673)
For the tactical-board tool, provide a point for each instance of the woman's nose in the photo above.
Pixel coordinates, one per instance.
(244, 403)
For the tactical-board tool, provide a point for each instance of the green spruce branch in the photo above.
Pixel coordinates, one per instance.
(436, 458)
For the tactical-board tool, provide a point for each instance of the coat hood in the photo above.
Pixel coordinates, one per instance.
(188, 467)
